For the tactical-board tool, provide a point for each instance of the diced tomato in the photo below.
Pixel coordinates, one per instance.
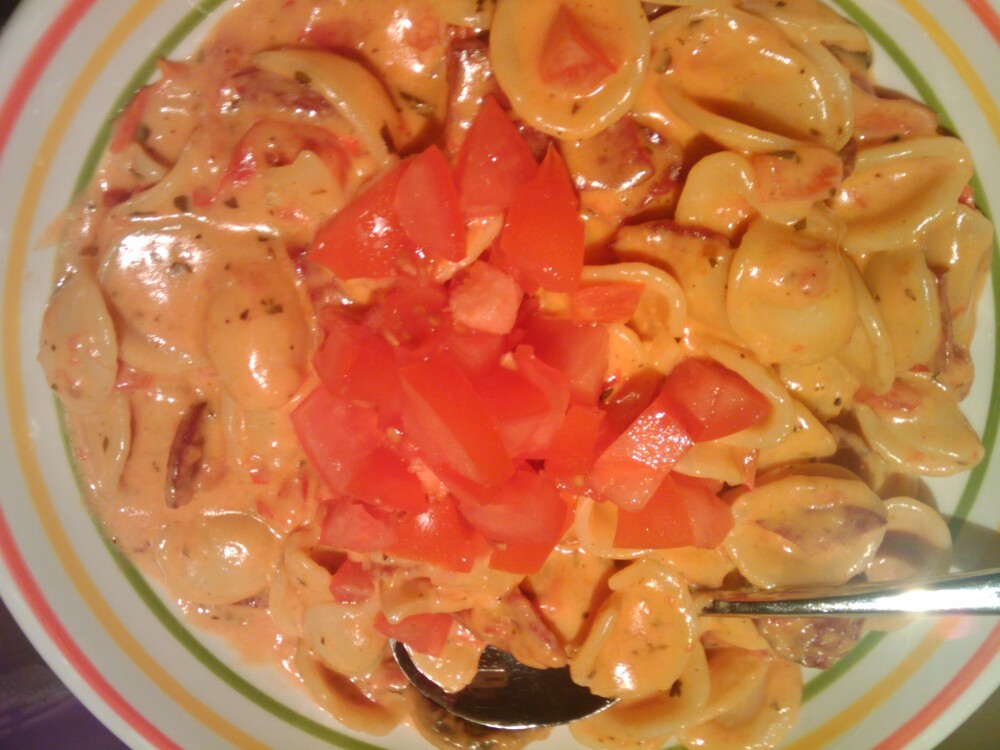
(352, 525)
(493, 164)
(439, 535)
(358, 364)
(628, 472)
(476, 352)
(427, 206)
(626, 401)
(574, 447)
(683, 512)
(526, 509)
(718, 401)
(335, 434)
(365, 239)
(571, 57)
(127, 123)
(383, 478)
(412, 313)
(517, 404)
(484, 298)
(557, 389)
(449, 421)
(605, 303)
(579, 350)
(426, 633)
(523, 559)
(542, 239)
(352, 583)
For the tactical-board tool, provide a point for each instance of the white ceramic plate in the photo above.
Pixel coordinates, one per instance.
(65, 67)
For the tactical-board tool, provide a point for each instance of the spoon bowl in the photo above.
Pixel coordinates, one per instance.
(506, 694)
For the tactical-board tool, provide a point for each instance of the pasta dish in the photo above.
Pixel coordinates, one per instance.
(523, 324)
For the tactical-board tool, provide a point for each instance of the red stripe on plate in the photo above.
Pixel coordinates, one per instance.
(24, 84)
(988, 15)
(948, 695)
(35, 599)
(36, 63)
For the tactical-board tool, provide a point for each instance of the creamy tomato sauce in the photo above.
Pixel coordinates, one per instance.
(521, 324)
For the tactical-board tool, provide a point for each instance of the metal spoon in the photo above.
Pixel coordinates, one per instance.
(508, 695)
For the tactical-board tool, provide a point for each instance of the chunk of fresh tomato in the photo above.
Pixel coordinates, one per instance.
(365, 238)
(440, 536)
(357, 363)
(335, 435)
(426, 633)
(574, 447)
(493, 163)
(717, 401)
(578, 350)
(428, 207)
(605, 303)
(449, 421)
(352, 583)
(383, 478)
(527, 509)
(571, 56)
(541, 243)
(629, 470)
(683, 512)
(352, 525)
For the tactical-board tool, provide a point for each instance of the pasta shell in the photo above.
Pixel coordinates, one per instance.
(811, 524)
(742, 82)
(919, 427)
(791, 298)
(897, 191)
(79, 346)
(358, 95)
(218, 558)
(906, 293)
(518, 38)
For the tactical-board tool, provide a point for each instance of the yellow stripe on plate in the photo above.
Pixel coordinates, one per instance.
(59, 542)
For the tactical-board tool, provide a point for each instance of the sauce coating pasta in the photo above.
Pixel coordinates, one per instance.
(522, 324)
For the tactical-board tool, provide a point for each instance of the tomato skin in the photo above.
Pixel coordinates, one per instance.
(351, 583)
(683, 512)
(527, 509)
(717, 401)
(572, 58)
(605, 303)
(426, 632)
(352, 525)
(427, 205)
(355, 362)
(579, 350)
(629, 470)
(542, 242)
(439, 535)
(523, 559)
(335, 435)
(365, 239)
(493, 163)
(383, 478)
(574, 446)
(449, 421)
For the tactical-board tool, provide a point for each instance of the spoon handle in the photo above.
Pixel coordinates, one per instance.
(964, 593)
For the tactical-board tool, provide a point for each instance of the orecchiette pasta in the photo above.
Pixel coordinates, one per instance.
(524, 325)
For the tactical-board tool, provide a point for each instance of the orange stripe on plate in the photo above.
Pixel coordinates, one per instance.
(952, 692)
(988, 15)
(879, 694)
(59, 542)
(963, 66)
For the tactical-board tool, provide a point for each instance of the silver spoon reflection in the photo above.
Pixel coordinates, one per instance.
(509, 695)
